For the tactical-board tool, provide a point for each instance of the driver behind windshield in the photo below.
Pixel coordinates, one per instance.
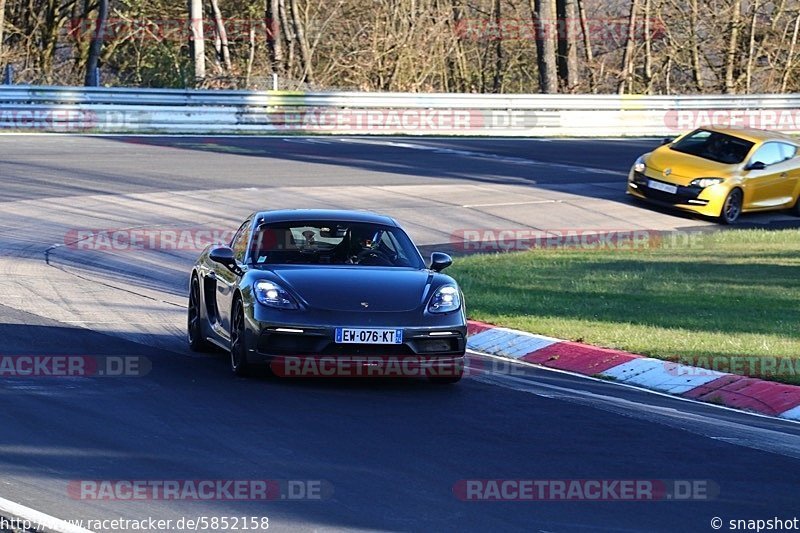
(335, 243)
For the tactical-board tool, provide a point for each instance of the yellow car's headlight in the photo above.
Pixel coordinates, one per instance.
(639, 166)
(706, 182)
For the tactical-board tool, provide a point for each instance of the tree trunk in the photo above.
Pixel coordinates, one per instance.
(251, 55)
(198, 48)
(274, 37)
(498, 60)
(92, 79)
(567, 49)
(542, 13)
(733, 41)
(2, 22)
(222, 35)
(790, 57)
(49, 38)
(587, 45)
(302, 41)
(289, 35)
(697, 73)
(626, 81)
(458, 64)
(648, 49)
(751, 48)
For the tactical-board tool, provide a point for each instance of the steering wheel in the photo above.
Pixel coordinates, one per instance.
(373, 257)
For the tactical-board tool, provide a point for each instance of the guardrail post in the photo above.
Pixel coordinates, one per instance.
(8, 75)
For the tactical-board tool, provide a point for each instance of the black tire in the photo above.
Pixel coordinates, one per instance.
(239, 364)
(732, 207)
(194, 320)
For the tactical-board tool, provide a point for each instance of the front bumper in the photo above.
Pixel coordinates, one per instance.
(273, 340)
(313, 352)
(368, 366)
(707, 201)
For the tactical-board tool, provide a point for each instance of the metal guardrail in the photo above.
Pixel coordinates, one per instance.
(110, 110)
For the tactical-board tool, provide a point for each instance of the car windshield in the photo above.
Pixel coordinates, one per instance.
(333, 243)
(715, 146)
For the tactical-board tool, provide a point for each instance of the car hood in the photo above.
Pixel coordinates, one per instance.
(344, 288)
(683, 167)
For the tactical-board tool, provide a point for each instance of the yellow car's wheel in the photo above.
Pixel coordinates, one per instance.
(732, 207)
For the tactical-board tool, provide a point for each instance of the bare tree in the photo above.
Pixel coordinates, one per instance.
(222, 49)
(98, 35)
(251, 53)
(587, 45)
(2, 24)
(498, 60)
(567, 47)
(274, 40)
(542, 14)
(648, 48)
(751, 47)
(198, 49)
(626, 80)
(697, 73)
(733, 44)
(305, 51)
(790, 57)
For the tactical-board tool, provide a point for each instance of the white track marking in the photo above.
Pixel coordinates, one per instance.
(516, 203)
(42, 521)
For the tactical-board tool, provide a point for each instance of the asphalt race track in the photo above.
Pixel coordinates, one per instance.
(389, 452)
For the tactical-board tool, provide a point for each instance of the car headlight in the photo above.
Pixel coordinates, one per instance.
(445, 299)
(706, 182)
(273, 295)
(639, 165)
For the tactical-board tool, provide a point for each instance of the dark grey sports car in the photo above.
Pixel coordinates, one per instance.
(333, 293)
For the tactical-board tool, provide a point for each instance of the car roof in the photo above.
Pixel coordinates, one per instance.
(752, 134)
(337, 215)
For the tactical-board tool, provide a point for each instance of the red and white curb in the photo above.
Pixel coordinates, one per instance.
(731, 390)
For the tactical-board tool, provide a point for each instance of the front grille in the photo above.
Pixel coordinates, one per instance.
(436, 345)
(681, 196)
(344, 350)
(287, 344)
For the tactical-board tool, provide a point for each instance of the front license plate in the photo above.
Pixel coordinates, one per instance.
(369, 336)
(666, 187)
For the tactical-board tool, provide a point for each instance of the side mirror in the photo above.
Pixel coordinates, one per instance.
(440, 261)
(756, 165)
(666, 140)
(224, 256)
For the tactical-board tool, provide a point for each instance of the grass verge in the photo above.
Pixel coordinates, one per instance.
(726, 300)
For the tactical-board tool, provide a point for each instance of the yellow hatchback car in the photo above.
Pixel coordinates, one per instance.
(721, 172)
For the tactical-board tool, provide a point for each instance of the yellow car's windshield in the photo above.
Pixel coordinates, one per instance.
(715, 146)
